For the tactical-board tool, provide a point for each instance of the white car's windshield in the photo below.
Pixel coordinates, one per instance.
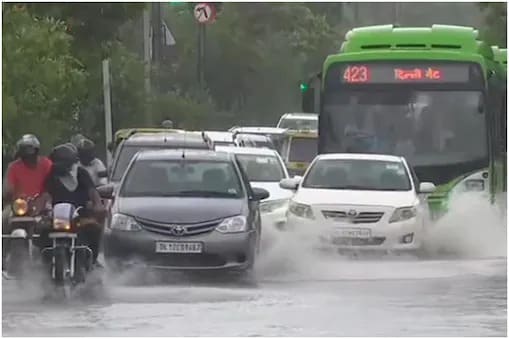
(358, 174)
(261, 168)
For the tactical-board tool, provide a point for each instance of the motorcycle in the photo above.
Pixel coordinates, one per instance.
(69, 261)
(25, 220)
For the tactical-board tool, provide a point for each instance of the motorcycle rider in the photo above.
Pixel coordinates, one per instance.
(94, 165)
(70, 183)
(25, 177)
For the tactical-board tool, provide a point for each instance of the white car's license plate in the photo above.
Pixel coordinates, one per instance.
(178, 247)
(353, 233)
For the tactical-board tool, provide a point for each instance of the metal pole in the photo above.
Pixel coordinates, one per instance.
(147, 60)
(201, 55)
(396, 13)
(107, 107)
(356, 14)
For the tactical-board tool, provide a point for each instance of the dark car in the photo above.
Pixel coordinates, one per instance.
(150, 141)
(184, 210)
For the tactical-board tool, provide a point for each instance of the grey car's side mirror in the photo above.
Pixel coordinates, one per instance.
(260, 193)
(290, 184)
(427, 187)
(106, 191)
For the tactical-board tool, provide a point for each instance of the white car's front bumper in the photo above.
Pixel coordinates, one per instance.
(381, 236)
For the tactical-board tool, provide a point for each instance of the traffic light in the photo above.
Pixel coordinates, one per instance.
(304, 87)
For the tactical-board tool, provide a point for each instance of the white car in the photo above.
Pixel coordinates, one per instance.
(359, 201)
(299, 121)
(218, 139)
(265, 169)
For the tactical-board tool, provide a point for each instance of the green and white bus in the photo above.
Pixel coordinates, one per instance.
(435, 95)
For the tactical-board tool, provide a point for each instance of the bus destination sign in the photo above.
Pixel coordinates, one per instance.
(404, 73)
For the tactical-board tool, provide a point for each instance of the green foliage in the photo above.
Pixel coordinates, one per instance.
(495, 16)
(42, 83)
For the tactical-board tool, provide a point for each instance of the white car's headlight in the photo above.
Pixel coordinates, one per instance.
(233, 225)
(271, 206)
(300, 210)
(403, 213)
(124, 222)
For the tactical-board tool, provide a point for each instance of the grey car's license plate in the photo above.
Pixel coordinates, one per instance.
(178, 247)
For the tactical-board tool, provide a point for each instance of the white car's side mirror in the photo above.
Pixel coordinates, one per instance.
(427, 187)
(289, 184)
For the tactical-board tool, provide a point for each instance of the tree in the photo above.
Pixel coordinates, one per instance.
(43, 85)
(495, 16)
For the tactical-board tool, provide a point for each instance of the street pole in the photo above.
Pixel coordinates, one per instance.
(107, 108)
(356, 14)
(396, 13)
(147, 63)
(201, 55)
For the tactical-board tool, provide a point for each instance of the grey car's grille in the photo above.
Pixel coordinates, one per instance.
(180, 230)
(359, 218)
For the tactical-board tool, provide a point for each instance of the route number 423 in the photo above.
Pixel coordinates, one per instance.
(356, 74)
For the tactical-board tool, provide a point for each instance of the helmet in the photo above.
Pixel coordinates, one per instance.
(28, 146)
(86, 151)
(63, 157)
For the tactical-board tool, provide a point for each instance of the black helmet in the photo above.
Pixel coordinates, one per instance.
(28, 146)
(63, 157)
(86, 151)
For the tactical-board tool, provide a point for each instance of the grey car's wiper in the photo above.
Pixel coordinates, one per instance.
(199, 193)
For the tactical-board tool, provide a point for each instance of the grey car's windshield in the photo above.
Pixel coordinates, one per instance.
(261, 168)
(358, 174)
(182, 178)
(427, 127)
(128, 152)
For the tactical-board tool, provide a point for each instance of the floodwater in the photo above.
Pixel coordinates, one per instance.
(297, 293)
(363, 298)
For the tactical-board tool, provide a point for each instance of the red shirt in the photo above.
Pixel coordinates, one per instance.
(26, 181)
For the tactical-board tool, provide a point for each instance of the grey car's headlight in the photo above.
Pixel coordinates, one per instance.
(475, 185)
(403, 213)
(124, 222)
(233, 225)
(300, 210)
(271, 206)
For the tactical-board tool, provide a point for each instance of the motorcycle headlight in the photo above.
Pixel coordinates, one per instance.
(233, 225)
(301, 210)
(61, 225)
(271, 206)
(20, 207)
(124, 222)
(403, 213)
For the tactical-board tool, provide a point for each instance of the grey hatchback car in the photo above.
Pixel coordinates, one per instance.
(184, 210)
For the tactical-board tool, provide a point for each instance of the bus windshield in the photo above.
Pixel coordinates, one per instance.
(427, 127)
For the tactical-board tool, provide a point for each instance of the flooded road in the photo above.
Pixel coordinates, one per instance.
(331, 298)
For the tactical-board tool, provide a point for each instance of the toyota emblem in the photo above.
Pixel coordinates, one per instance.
(352, 213)
(178, 230)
